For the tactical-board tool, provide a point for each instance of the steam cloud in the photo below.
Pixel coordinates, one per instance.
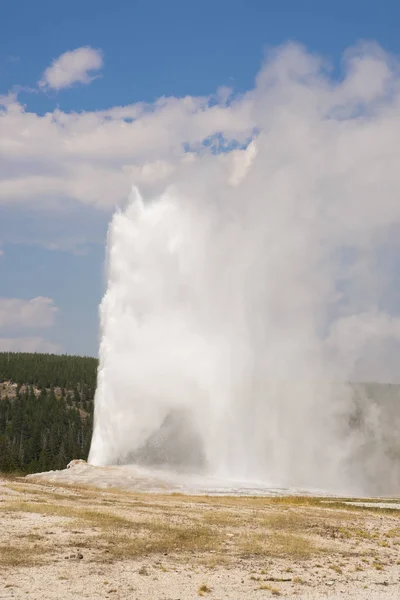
(264, 274)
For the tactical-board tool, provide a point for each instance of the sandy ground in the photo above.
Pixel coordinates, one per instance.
(65, 541)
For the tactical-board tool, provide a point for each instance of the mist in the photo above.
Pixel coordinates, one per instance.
(254, 280)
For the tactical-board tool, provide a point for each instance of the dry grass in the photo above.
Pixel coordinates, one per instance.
(114, 525)
(274, 591)
(118, 537)
(272, 546)
(277, 545)
(93, 517)
(222, 518)
(21, 555)
(161, 539)
(115, 536)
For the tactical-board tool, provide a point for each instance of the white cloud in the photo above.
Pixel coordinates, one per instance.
(1, 252)
(92, 157)
(28, 344)
(323, 158)
(35, 313)
(75, 66)
(343, 132)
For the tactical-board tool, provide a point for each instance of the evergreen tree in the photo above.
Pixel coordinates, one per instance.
(42, 428)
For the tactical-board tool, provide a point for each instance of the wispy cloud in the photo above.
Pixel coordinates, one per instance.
(75, 66)
(35, 313)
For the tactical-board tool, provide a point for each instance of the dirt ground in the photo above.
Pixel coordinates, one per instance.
(70, 542)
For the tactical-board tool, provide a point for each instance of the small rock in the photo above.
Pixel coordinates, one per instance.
(76, 461)
(330, 582)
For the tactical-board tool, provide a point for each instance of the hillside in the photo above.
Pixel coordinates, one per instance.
(46, 410)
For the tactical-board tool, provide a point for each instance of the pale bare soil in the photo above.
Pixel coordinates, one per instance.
(70, 542)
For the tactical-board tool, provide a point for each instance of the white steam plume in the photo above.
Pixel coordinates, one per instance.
(238, 296)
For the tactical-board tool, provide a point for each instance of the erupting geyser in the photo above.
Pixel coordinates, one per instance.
(241, 296)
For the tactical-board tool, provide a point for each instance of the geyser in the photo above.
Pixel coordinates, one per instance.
(240, 296)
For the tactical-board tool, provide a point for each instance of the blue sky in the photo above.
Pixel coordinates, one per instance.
(53, 218)
(157, 48)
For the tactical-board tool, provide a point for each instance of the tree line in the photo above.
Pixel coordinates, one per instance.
(48, 370)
